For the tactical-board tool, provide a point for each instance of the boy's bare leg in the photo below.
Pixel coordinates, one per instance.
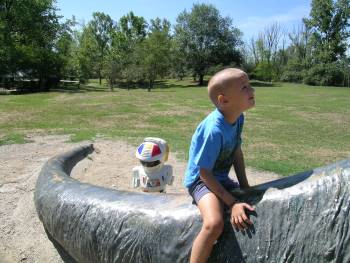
(211, 210)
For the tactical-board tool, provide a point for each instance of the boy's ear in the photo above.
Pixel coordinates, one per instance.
(222, 99)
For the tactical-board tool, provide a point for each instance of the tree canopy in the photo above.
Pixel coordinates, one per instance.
(329, 27)
(207, 39)
(36, 44)
(28, 30)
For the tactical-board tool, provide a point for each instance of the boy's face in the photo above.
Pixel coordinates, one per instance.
(239, 95)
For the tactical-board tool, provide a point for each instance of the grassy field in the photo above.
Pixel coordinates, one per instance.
(293, 127)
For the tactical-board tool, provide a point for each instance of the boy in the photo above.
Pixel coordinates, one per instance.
(215, 146)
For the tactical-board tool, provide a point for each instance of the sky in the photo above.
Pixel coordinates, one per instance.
(250, 16)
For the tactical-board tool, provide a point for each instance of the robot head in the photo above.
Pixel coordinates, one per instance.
(152, 153)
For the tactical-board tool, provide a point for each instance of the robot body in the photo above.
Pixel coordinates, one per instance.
(153, 174)
(155, 182)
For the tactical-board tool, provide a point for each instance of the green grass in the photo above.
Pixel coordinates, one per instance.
(292, 128)
(13, 139)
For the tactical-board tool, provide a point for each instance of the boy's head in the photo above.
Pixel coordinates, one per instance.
(230, 91)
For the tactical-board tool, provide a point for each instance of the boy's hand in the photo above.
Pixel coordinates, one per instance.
(239, 218)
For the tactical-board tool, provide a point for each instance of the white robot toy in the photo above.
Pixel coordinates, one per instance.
(153, 174)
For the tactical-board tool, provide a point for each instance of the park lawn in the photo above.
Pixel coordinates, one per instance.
(292, 128)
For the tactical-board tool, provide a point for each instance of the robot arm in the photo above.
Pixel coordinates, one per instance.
(169, 175)
(135, 177)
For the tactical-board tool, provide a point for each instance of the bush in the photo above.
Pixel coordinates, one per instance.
(293, 72)
(330, 74)
(249, 67)
(264, 71)
(293, 76)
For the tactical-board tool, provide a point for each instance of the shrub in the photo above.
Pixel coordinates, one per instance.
(330, 74)
(293, 72)
(264, 71)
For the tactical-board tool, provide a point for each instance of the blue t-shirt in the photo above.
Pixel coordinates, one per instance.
(212, 147)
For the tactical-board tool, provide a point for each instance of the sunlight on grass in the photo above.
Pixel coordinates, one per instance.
(13, 139)
(292, 128)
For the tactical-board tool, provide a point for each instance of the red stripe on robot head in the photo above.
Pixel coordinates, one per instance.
(156, 150)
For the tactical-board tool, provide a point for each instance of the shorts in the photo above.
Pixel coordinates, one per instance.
(198, 189)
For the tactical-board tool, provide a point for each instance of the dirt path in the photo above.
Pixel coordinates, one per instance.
(22, 236)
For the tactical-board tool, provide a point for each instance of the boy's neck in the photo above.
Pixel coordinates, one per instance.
(230, 117)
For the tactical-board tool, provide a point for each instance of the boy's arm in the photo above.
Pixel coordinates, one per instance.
(238, 164)
(210, 181)
(238, 216)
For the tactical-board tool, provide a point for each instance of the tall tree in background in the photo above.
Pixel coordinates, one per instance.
(67, 50)
(329, 25)
(87, 56)
(268, 52)
(101, 28)
(298, 54)
(122, 62)
(300, 45)
(132, 30)
(28, 30)
(178, 60)
(133, 27)
(207, 39)
(154, 51)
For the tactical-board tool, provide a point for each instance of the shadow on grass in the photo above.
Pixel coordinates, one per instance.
(158, 86)
(20, 92)
(90, 88)
(83, 88)
(162, 84)
(192, 84)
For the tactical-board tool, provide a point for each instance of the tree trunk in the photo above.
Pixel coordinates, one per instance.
(150, 85)
(201, 80)
(43, 84)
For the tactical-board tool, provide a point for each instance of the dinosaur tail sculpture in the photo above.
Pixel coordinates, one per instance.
(301, 218)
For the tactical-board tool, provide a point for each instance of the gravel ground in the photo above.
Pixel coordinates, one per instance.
(22, 236)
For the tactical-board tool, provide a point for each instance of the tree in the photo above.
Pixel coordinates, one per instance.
(154, 51)
(133, 27)
(67, 50)
(273, 35)
(28, 30)
(329, 25)
(268, 53)
(101, 28)
(253, 50)
(122, 62)
(87, 56)
(207, 39)
(298, 55)
(178, 60)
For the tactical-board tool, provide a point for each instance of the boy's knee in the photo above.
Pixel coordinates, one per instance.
(214, 227)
